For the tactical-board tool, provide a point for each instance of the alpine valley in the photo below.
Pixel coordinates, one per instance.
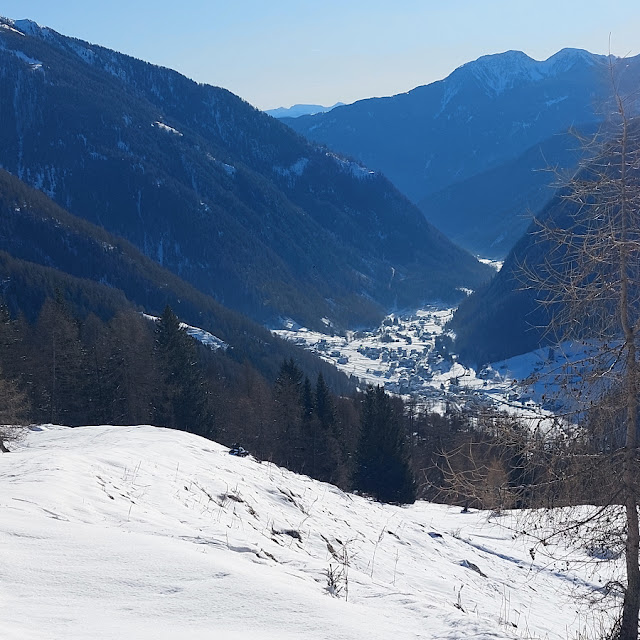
(224, 196)
(474, 150)
(261, 374)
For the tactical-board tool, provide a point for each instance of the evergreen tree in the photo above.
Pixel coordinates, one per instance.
(287, 395)
(308, 404)
(133, 374)
(382, 466)
(325, 407)
(186, 406)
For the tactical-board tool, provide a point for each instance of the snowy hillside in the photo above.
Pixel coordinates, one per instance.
(140, 532)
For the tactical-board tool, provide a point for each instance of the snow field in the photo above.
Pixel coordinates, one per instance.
(143, 532)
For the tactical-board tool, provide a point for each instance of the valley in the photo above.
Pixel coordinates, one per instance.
(413, 355)
(255, 381)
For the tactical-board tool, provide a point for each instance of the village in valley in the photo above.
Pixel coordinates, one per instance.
(412, 354)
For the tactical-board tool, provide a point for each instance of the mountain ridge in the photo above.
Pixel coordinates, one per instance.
(220, 193)
(46, 252)
(297, 110)
(483, 116)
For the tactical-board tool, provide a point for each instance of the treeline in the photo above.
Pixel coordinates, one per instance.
(131, 370)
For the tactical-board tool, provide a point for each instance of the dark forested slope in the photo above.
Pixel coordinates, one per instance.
(218, 192)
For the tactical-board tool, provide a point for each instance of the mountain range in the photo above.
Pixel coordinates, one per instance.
(471, 149)
(298, 110)
(219, 193)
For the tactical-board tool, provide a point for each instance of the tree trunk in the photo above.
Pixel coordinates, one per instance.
(631, 604)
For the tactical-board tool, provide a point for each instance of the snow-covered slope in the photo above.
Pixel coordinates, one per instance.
(141, 532)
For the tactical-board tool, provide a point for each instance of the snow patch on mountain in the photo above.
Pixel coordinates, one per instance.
(8, 26)
(84, 53)
(496, 264)
(567, 58)
(557, 100)
(451, 89)
(348, 166)
(115, 71)
(499, 72)
(27, 27)
(32, 62)
(167, 128)
(294, 171)
(230, 170)
(207, 339)
(502, 71)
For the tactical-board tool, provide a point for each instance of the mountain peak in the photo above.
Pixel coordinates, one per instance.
(28, 27)
(298, 110)
(25, 26)
(567, 58)
(499, 72)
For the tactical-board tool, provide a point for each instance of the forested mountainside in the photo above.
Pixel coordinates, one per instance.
(223, 195)
(47, 253)
(445, 144)
(573, 254)
(490, 211)
(75, 349)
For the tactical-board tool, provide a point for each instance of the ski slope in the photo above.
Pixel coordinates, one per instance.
(142, 532)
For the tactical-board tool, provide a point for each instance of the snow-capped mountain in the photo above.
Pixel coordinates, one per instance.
(437, 141)
(501, 72)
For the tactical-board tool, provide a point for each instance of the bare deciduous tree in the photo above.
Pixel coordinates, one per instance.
(590, 279)
(585, 266)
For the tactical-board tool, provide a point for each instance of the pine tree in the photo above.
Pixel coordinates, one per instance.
(288, 445)
(327, 455)
(308, 404)
(382, 467)
(325, 407)
(186, 405)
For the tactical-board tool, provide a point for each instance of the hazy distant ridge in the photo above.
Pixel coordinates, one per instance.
(298, 110)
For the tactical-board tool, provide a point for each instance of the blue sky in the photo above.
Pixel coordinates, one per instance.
(280, 52)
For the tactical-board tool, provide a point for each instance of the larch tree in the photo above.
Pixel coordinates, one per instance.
(589, 281)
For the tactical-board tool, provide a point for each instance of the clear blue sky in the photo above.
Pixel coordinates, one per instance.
(280, 52)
